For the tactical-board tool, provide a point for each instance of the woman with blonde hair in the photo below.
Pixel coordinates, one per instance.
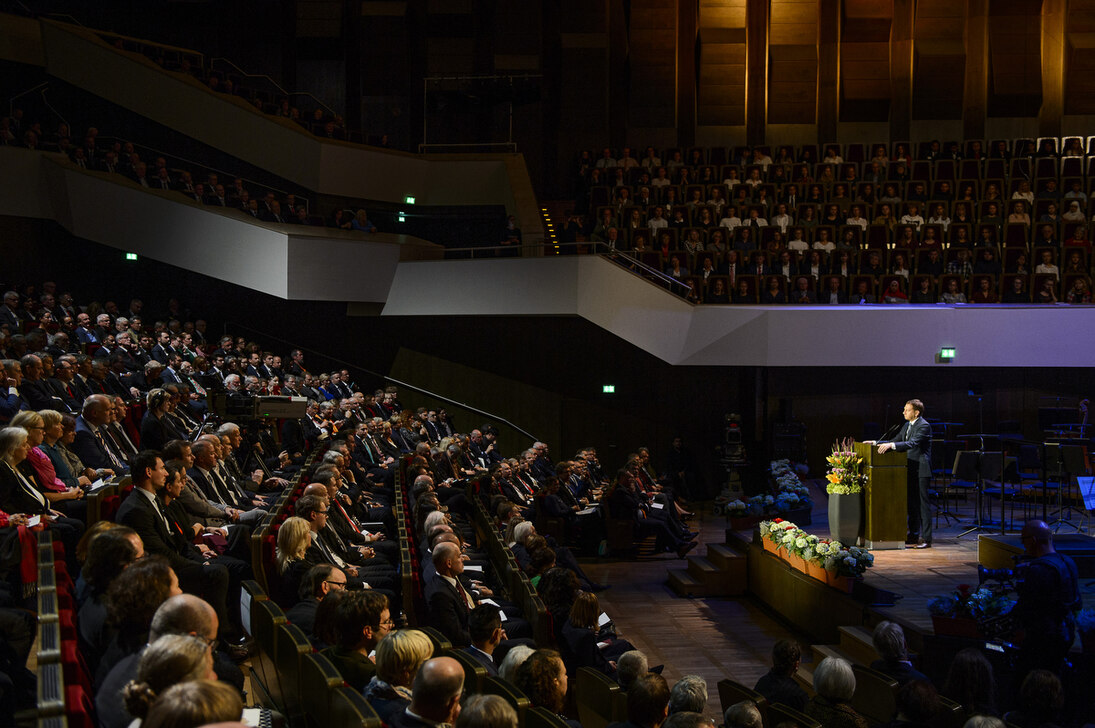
(398, 657)
(294, 538)
(40, 472)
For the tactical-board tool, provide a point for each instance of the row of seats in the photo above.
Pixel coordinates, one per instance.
(926, 150)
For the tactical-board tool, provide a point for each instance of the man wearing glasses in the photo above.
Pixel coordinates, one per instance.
(320, 581)
(355, 621)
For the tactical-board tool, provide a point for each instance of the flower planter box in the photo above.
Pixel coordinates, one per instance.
(797, 562)
(769, 546)
(955, 627)
(817, 571)
(744, 523)
(841, 583)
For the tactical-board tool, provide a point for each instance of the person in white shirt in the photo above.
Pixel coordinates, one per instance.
(832, 156)
(759, 157)
(857, 217)
(781, 219)
(651, 161)
(1023, 192)
(754, 219)
(626, 160)
(606, 161)
(940, 217)
(823, 242)
(754, 178)
(732, 178)
(798, 242)
(657, 220)
(913, 216)
(730, 219)
(662, 179)
(1047, 265)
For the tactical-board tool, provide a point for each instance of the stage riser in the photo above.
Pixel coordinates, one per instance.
(808, 605)
(998, 552)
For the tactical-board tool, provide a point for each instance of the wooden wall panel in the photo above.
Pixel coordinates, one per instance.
(722, 63)
(793, 62)
(652, 61)
(865, 60)
(1015, 57)
(1079, 72)
(939, 59)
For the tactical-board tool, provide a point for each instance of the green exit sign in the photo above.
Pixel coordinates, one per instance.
(409, 200)
(131, 256)
(609, 389)
(947, 352)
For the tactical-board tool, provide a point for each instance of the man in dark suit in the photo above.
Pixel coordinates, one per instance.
(486, 633)
(449, 603)
(889, 642)
(915, 440)
(143, 511)
(92, 445)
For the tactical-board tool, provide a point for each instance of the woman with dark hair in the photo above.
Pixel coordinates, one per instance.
(1040, 701)
(559, 587)
(109, 552)
(971, 683)
(584, 643)
(543, 678)
(131, 601)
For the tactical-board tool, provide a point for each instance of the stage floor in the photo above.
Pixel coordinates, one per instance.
(719, 637)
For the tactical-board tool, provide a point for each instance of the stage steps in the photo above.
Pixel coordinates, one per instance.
(721, 572)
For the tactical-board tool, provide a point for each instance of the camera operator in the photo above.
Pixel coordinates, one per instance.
(1049, 594)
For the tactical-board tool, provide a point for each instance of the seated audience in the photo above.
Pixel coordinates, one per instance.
(834, 684)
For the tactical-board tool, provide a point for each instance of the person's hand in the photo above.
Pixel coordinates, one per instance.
(484, 591)
(884, 447)
(83, 480)
(351, 570)
(17, 519)
(135, 392)
(257, 477)
(232, 513)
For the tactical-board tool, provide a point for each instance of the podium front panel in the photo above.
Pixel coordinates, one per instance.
(885, 508)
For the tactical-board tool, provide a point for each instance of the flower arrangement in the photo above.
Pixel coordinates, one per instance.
(845, 476)
(965, 602)
(833, 556)
(737, 509)
(851, 561)
(779, 531)
(1085, 621)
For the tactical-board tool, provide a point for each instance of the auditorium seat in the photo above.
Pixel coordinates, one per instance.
(543, 718)
(318, 677)
(875, 695)
(266, 617)
(347, 708)
(291, 645)
(474, 672)
(780, 713)
(599, 698)
(732, 692)
(513, 696)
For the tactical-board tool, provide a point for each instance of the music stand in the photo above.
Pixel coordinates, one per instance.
(967, 466)
(1070, 462)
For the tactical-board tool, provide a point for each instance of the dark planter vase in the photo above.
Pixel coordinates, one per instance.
(846, 517)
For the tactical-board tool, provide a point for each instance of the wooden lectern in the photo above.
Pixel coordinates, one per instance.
(885, 512)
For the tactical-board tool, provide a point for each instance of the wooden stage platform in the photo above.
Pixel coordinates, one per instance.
(718, 637)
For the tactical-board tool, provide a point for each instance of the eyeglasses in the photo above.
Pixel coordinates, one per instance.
(389, 623)
(335, 583)
(213, 643)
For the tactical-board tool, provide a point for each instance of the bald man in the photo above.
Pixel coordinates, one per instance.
(1049, 596)
(435, 695)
